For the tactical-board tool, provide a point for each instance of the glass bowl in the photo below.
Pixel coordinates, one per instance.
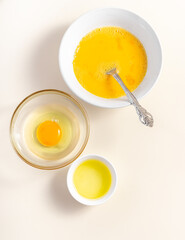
(30, 110)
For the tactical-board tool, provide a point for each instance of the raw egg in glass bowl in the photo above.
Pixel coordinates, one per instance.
(49, 129)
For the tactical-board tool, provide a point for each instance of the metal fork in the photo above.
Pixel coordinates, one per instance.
(144, 116)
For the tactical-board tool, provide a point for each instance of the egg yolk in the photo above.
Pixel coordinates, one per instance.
(49, 133)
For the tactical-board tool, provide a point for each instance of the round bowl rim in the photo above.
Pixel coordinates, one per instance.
(76, 195)
(125, 103)
(19, 107)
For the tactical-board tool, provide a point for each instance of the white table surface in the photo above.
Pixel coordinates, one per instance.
(149, 202)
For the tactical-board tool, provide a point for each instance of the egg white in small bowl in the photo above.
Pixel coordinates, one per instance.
(49, 129)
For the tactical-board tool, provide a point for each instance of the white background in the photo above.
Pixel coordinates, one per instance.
(149, 202)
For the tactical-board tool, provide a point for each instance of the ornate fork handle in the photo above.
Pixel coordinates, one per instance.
(144, 116)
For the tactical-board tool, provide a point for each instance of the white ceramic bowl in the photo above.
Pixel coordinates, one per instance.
(73, 190)
(109, 17)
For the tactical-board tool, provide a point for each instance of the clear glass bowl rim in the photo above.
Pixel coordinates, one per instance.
(30, 97)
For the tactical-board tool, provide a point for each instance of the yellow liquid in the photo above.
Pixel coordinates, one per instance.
(92, 179)
(49, 133)
(103, 49)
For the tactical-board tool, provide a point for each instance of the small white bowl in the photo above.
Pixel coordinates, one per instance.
(71, 186)
(109, 17)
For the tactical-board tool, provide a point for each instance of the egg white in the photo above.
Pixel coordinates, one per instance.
(69, 127)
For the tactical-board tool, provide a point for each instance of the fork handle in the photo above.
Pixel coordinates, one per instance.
(144, 116)
(130, 96)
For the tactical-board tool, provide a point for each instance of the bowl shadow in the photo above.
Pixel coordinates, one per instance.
(44, 62)
(45, 70)
(61, 196)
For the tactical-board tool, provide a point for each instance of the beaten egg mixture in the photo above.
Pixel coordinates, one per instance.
(106, 48)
